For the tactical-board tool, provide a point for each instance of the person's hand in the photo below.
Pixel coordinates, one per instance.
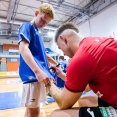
(57, 70)
(54, 81)
(113, 35)
(42, 77)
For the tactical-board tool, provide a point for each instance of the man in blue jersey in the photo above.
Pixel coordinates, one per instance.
(33, 69)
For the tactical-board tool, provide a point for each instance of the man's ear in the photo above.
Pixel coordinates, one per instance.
(63, 38)
(36, 12)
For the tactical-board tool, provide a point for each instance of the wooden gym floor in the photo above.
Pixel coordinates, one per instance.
(12, 85)
(6, 86)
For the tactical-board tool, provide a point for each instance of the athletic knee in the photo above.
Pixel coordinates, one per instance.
(81, 101)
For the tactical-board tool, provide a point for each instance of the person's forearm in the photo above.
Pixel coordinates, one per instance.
(28, 58)
(63, 76)
(64, 98)
(51, 60)
(56, 94)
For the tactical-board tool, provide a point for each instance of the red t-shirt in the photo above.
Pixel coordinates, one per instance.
(95, 63)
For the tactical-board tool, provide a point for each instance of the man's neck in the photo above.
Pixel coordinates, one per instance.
(76, 44)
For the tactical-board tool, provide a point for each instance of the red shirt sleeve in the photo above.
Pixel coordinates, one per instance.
(80, 70)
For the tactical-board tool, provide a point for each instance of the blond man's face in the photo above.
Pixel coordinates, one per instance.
(42, 20)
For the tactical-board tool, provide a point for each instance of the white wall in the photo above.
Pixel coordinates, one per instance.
(103, 24)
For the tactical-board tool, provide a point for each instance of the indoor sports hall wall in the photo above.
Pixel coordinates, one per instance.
(104, 24)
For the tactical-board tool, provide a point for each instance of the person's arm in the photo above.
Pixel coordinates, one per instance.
(115, 35)
(59, 72)
(51, 60)
(63, 76)
(80, 70)
(28, 58)
(64, 98)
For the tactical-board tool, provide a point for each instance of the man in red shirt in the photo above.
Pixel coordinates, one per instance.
(94, 62)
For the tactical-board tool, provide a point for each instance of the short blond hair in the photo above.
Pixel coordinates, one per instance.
(47, 9)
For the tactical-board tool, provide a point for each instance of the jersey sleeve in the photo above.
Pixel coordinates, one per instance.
(24, 32)
(80, 70)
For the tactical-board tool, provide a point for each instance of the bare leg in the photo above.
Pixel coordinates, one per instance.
(88, 101)
(32, 112)
(74, 112)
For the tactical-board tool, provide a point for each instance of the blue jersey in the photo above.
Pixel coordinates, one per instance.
(63, 65)
(30, 33)
(59, 82)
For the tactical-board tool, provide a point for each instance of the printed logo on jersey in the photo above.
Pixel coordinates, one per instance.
(30, 77)
(97, 40)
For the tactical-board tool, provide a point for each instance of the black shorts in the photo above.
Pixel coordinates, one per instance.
(103, 110)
